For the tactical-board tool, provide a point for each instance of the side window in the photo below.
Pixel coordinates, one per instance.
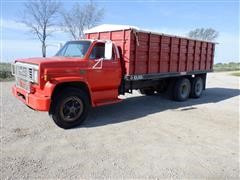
(99, 50)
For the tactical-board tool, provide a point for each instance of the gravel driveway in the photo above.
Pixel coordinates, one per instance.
(141, 137)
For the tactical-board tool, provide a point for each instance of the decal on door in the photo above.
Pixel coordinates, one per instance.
(98, 64)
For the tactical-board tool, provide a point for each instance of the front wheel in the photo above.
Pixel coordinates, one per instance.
(70, 108)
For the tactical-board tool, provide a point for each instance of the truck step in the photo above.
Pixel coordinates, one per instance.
(107, 102)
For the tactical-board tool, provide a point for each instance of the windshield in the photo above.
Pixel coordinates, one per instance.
(74, 49)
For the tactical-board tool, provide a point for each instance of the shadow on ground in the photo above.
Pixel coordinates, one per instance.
(140, 106)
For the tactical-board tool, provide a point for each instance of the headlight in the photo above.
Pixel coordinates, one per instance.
(13, 69)
(35, 76)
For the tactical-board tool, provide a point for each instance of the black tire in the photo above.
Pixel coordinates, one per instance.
(197, 87)
(181, 89)
(70, 108)
(148, 92)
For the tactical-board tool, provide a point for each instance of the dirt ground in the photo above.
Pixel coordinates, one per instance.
(141, 137)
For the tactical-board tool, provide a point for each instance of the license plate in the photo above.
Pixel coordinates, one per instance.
(23, 84)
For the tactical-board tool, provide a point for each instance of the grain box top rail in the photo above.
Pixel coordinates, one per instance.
(114, 27)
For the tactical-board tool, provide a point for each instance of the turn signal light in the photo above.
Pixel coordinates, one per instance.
(46, 77)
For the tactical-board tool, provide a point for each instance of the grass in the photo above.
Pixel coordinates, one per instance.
(232, 66)
(236, 73)
(5, 72)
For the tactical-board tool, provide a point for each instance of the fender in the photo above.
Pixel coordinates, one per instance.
(59, 80)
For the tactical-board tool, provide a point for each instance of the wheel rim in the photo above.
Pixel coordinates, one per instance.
(71, 109)
(184, 90)
(198, 87)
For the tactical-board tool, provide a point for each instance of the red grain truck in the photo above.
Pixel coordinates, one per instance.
(111, 61)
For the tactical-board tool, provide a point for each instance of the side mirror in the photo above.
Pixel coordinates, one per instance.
(108, 50)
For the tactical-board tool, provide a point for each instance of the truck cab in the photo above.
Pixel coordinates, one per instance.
(83, 73)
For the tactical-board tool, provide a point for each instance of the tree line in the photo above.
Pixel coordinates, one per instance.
(42, 17)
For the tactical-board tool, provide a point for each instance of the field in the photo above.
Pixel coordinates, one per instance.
(5, 72)
(232, 66)
(143, 137)
(236, 73)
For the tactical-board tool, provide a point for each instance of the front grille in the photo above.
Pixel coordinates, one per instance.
(24, 75)
(30, 73)
(24, 71)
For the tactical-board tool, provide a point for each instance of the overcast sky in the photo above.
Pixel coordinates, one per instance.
(172, 17)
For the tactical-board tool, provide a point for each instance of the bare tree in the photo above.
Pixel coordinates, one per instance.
(208, 34)
(39, 16)
(80, 18)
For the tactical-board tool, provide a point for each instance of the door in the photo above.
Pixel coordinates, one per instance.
(104, 75)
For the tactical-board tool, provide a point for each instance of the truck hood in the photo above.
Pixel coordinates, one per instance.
(48, 60)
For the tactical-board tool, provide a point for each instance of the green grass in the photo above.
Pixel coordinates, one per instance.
(5, 72)
(232, 66)
(236, 73)
(5, 66)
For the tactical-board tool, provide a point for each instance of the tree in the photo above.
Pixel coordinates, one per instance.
(207, 34)
(39, 16)
(80, 18)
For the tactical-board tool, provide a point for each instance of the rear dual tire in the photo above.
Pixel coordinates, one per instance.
(197, 87)
(183, 88)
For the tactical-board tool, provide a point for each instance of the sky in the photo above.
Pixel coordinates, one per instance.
(171, 17)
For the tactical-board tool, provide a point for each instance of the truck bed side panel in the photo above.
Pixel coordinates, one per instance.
(147, 53)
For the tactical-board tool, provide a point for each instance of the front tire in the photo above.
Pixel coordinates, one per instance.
(70, 108)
